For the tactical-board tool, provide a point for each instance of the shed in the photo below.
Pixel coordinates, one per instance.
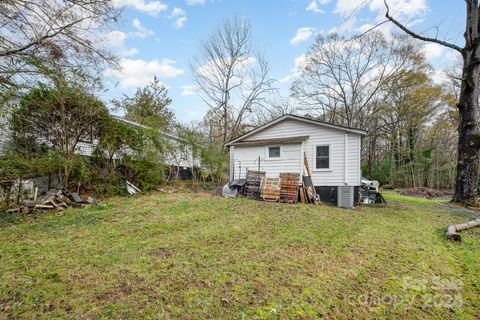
(333, 152)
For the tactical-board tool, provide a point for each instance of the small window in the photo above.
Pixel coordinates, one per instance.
(322, 157)
(274, 152)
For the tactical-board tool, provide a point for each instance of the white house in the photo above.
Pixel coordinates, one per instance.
(180, 156)
(332, 151)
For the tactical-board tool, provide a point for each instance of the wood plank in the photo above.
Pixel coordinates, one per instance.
(302, 194)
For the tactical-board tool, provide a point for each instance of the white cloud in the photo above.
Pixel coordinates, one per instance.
(195, 2)
(432, 51)
(189, 90)
(299, 64)
(141, 32)
(149, 7)
(365, 27)
(347, 25)
(180, 22)
(401, 8)
(439, 77)
(408, 11)
(313, 7)
(454, 55)
(138, 72)
(116, 40)
(346, 7)
(302, 35)
(180, 17)
(178, 12)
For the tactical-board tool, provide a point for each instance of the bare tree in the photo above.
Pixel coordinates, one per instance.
(275, 107)
(342, 79)
(232, 77)
(468, 158)
(346, 81)
(64, 31)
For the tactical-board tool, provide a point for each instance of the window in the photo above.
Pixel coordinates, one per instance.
(274, 152)
(322, 157)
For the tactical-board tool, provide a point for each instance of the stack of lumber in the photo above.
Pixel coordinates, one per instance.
(307, 190)
(270, 189)
(289, 187)
(253, 183)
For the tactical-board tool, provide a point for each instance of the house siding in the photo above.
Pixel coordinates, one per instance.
(247, 158)
(340, 157)
(180, 155)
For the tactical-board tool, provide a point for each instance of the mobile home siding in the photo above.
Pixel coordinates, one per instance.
(340, 157)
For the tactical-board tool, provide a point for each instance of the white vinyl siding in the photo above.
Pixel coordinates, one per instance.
(292, 157)
(247, 158)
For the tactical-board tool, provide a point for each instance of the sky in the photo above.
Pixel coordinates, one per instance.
(160, 37)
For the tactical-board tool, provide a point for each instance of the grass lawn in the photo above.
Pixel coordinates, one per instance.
(196, 256)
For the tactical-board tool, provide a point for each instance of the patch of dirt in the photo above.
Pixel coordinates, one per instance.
(161, 252)
(427, 193)
(214, 190)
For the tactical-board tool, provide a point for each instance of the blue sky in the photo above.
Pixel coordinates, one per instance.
(161, 37)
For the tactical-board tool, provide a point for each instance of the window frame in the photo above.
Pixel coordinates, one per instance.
(314, 160)
(267, 151)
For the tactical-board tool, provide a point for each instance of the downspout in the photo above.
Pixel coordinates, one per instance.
(301, 159)
(345, 160)
(232, 163)
(360, 161)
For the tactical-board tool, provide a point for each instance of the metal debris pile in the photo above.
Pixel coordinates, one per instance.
(369, 192)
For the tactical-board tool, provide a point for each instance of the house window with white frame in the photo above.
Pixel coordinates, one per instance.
(274, 152)
(322, 157)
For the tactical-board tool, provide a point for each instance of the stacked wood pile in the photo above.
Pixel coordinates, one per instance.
(307, 190)
(287, 188)
(54, 199)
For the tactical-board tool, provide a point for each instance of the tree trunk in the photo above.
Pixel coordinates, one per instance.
(466, 183)
(452, 229)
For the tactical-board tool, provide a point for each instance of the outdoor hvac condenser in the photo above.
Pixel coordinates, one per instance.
(345, 196)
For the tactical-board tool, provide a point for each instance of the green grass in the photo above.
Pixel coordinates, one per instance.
(195, 256)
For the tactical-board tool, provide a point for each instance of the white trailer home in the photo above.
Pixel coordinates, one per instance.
(332, 151)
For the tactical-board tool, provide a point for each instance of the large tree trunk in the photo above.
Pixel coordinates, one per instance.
(466, 183)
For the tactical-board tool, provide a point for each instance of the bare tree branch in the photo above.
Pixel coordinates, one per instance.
(416, 35)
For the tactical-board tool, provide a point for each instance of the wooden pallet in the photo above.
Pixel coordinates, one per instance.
(270, 189)
(253, 183)
(289, 187)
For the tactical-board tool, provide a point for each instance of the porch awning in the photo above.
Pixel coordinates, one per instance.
(260, 142)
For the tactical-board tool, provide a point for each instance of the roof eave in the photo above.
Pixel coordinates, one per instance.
(290, 116)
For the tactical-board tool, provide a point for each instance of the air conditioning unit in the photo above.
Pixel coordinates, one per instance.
(345, 196)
